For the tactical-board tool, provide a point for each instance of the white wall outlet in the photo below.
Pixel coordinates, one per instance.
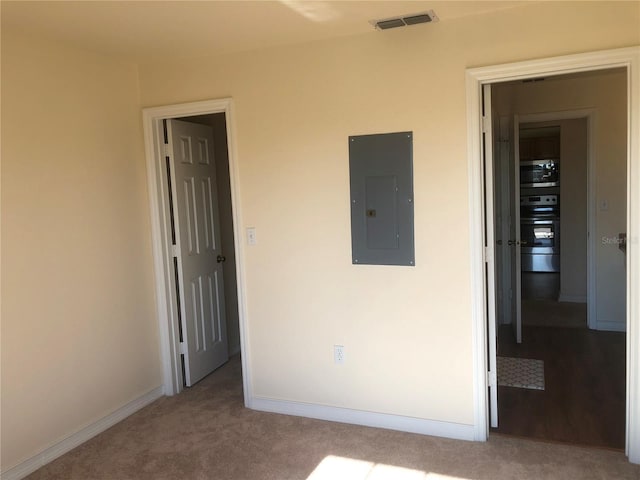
(338, 354)
(251, 236)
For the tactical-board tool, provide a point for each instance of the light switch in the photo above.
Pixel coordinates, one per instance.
(251, 235)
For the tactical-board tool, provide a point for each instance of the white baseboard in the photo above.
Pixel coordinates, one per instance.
(60, 448)
(572, 298)
(369, 419)
(611, 326)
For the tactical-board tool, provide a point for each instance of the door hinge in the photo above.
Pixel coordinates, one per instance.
(492, 379)
(485, 253)
(183, 348)
(174, 250)
(485, 124)
(167, 151)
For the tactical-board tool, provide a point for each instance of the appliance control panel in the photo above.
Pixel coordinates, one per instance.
(538, 200)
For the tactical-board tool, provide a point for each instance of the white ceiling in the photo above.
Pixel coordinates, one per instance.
(150, 30)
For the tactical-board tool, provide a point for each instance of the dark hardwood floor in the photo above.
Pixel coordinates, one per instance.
(584, 397)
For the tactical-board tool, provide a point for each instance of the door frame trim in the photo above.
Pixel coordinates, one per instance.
(166, 302)
(628, 58)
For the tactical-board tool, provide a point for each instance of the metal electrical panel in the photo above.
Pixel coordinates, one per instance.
(381, 175)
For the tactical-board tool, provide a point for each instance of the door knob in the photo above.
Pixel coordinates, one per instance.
(221, 259)
(511, 242)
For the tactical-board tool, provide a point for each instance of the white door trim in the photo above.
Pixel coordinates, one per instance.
(475, 78)
(490, 257)
(161, 235)
(590, 115)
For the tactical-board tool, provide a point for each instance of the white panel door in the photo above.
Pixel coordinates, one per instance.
(200, 260)
(490, 246)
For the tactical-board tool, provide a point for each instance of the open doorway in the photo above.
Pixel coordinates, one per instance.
(479, 82)
(204, 130)
(557, 378)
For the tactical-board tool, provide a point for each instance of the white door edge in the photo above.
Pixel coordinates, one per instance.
(490, 255)
(475, 78)
(516, 220)
(160, 225)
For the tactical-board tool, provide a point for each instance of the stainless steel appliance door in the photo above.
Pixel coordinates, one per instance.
(539, 173)
(541, 245)
(540, 263)
(539, 236)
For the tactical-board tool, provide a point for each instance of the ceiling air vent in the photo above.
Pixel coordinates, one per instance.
(413, 19)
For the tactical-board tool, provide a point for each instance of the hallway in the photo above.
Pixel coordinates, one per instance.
(584, 398)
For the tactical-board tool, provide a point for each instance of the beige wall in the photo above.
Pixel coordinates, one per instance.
(605, 92)
(406, 331)
(573, 209)
(79, 333)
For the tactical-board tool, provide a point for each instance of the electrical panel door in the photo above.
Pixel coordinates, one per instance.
(381, 177)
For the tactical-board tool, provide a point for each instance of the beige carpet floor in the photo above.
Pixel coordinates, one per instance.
(206, 433)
